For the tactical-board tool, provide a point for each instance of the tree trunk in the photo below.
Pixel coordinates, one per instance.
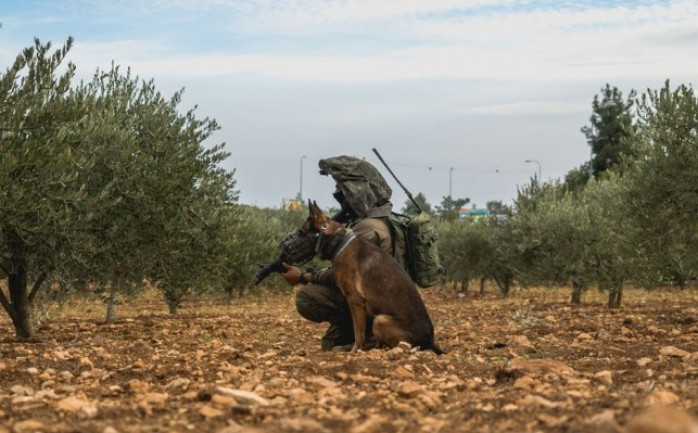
(18, 307)
(576, 293)
(504, 286)
(173, 298)
(615, 296)
(464, 286)
(228, 296)
(111, 304)
(172, 308)
(482, 285)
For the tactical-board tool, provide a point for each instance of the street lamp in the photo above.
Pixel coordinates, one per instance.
(300, 194)
(450, 182)
(540, 179)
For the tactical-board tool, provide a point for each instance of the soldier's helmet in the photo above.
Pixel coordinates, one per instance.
(363, 186)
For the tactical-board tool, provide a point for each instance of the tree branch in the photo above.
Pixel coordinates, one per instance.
(37, 285)
(7, 306)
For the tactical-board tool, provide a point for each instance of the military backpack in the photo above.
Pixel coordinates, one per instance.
(415, 247)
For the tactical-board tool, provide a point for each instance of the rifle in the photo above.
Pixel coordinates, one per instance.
(296, 249)
(265, 270)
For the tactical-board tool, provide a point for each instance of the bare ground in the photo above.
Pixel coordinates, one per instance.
(531, 363)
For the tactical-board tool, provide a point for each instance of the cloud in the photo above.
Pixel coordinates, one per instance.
(418, 40)
(529, 108)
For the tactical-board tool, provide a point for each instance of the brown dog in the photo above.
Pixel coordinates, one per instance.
(374, 284)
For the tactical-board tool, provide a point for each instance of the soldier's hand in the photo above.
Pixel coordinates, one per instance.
(292, 274)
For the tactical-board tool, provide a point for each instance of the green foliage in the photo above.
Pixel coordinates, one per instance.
(466, 249)
(42, 157)
(577, 178)
(496, 207)
(254, 241)
(410, 208)
(478, 249)
(662, 193)
(610, 129)
(450, 207)
(108, 182)
(609, 245)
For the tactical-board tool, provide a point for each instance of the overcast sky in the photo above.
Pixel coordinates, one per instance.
(455, 94)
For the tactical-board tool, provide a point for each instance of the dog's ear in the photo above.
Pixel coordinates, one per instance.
(313, 209)
(316, 214)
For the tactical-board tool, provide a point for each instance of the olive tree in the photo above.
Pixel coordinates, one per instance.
(42, 161)
(661, 195)
(464, 249)
(611, 238)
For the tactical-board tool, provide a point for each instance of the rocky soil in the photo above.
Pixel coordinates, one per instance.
(531, 363)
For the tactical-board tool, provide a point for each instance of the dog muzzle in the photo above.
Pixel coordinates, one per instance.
(298, 249)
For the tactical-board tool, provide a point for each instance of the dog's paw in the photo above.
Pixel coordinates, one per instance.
(345, 348)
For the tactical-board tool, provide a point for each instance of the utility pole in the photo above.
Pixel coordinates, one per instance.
(300, 194)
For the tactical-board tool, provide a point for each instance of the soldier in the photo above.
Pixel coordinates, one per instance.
(364, 197)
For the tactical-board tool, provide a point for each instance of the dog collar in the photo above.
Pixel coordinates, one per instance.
(350, 236)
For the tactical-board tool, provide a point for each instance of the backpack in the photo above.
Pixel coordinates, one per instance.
(415, 247)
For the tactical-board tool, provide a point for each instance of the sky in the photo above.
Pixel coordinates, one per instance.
(467, 98)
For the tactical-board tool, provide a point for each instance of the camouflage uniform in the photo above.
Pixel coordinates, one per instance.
(368, 195)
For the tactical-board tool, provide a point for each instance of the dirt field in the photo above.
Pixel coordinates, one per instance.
(531, 363)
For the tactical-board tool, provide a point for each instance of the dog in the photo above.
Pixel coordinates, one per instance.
(374, 284)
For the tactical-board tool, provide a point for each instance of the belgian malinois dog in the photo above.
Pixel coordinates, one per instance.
(374, 285)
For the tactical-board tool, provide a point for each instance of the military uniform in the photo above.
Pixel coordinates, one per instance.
(366, 195)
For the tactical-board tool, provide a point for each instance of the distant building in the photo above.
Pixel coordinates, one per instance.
(473, 213)
(291, 204)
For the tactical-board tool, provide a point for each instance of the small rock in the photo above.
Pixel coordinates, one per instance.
(605, 418)
(374, 424)
(605, 377)
(532, 401)
(301, 396)
(403, 373)
(584, 337)
(642, 362)
(244, 397)
(19, 390)
(306, 425)
(673, 351)
(138, 387)
(71, 404)
(522, 341)
(178, 384)
(408, 389)
(526, 383)
(552, 421)
(660, 397)
(66, 375)
(156, 398)
(663, 420)
(223, 400)
(210, 412)
(28, 426)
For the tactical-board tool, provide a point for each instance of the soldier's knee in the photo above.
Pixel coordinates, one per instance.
(309, 308)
